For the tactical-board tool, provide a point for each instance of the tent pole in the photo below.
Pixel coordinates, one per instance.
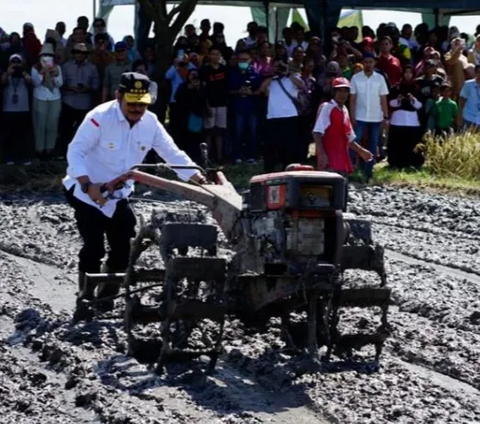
(94, 9)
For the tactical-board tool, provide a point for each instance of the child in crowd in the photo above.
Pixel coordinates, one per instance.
(430, 104)
(445, 111)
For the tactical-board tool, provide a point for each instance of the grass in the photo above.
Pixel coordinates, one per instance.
(423, 178)
(47, 176)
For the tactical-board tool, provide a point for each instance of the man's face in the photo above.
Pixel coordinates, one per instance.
(407, 31)
(261, 37)
(149, 55)
(189, 30)
(300, 35)
(205, 26)
(133, 111)
(99, 28)
(79, 36)
(341, 95)
(120, 54)
(385, 46)
(60, 28)
(79, 56)
(83, 23)
(368, 64)
(252, 29)
(214, 56)
(243, 58)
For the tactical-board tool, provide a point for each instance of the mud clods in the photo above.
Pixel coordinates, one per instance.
(52, 370)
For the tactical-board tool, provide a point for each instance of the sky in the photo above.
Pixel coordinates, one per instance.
(45, 13)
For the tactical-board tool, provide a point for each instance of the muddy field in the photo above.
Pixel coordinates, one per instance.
(52, 371)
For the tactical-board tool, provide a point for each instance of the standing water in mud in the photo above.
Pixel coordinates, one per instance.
(53, 371)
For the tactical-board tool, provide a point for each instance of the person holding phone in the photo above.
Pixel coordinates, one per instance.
(16, 127)
(80, 83)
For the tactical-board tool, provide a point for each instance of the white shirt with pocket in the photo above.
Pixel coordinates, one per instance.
(368, 90)
(280, 105)
(105, 147)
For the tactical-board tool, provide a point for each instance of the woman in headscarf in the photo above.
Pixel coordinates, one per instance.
(132, 53)
(333, 71)
(405, 129)
(47, 104)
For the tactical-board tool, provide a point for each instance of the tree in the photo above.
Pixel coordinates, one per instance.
(167, 26)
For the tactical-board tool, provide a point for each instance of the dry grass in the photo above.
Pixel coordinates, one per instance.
(40, 177)
(457, 156)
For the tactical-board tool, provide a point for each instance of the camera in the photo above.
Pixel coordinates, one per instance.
(282, 69)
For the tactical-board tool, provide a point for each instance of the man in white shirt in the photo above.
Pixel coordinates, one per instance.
(368, 106)
(114, 137)
(282, 144)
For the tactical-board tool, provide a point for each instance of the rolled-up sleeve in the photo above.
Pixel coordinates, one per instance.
(87, 136)
(166, 148)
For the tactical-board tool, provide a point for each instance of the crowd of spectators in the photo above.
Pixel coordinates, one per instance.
(257, 99)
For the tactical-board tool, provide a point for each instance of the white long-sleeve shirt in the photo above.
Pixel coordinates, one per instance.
(40, 92)
(405, 118)
(105, 147)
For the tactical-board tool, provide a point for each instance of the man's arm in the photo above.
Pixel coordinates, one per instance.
(297, 81)
(86, 137)
(166, 148)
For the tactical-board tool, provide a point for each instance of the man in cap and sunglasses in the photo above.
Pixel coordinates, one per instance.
(113, 137)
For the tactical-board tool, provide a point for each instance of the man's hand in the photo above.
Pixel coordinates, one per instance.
(385, 124)
(323, 161)
(199, 178)
(366, 155)
(11, 70)
(96, 195)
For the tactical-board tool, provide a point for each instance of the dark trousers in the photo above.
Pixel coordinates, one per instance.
(93, 225)
(281, 143)
(16, 136)
(401, 147)
(70, 119)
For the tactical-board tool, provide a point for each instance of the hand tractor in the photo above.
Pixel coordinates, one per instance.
(292, 243)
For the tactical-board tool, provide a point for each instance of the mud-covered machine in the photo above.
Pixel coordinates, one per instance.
(292, 243)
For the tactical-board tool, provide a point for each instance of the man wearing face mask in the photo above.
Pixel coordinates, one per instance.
(16, 128)
(243, 86)
(112, 138)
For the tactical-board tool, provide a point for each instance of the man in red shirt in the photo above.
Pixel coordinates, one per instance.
(333, 132)
(388, 63)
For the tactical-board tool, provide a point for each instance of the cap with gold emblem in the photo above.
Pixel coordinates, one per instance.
(135, 87)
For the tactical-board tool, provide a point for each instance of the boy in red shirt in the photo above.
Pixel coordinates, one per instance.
(334, 135)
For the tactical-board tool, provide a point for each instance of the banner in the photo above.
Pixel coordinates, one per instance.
(351, 18)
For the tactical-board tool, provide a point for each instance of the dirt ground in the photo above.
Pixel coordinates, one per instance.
(53, 371)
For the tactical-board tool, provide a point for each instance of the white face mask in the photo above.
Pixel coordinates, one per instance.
(46, 61)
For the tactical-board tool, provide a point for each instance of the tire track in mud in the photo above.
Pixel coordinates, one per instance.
(227, 393)
(452, 270)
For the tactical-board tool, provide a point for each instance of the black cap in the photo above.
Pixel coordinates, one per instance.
(135, 87)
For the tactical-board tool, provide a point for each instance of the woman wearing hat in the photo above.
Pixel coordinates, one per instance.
(47, 100)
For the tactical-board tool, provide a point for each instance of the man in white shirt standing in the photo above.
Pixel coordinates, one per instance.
(282, 144)
(113, 137)
(369, 107)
